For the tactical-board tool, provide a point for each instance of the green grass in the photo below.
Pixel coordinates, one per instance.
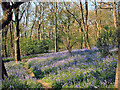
(25, 57)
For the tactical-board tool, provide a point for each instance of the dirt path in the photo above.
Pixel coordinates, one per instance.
(45, 85)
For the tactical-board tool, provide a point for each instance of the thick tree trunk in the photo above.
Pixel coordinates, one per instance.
(87, 37)
(117, 79)
(83, 23)
(3, 71)
(114, 14)
(3, 54)
(69, 51)
(0, 57)
(17, 47)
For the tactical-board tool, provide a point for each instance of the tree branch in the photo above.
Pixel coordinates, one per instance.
(7, 9)
(22, 15)
(16, 5)
(72, 15)
(73, 44)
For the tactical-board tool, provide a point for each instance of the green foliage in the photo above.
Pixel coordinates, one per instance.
(12, 59)
(9, 59)
(50, 43)
(70, 38)
(27, 57)
(107, 40)
(29, 46)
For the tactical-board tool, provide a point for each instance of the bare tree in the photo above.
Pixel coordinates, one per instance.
(82, 23)
(7, 9)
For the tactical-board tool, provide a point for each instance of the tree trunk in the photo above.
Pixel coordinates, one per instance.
(3, 54)
(56, 46)
(114, 14)
(83, 23)
(117, 78)
(32, 29)
(43, 22)
(2, 67)
(17, 47)
(5, 46)
(25, 35)
(39, 32)
(100, 21)
(4, 38)
(1, 70)
(4, 72)
(40, 22)
(86, 7)
(88, 45)
(69, 51)
(11, 39)
(83, 40)
(96, 17)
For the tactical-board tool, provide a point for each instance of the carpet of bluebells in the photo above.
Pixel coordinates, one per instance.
(83, 69)
(18, 77)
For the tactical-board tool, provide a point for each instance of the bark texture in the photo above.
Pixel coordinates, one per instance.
(117, 78)
(17, 31)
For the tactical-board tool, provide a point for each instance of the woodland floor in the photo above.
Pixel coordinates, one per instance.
(83, 69)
